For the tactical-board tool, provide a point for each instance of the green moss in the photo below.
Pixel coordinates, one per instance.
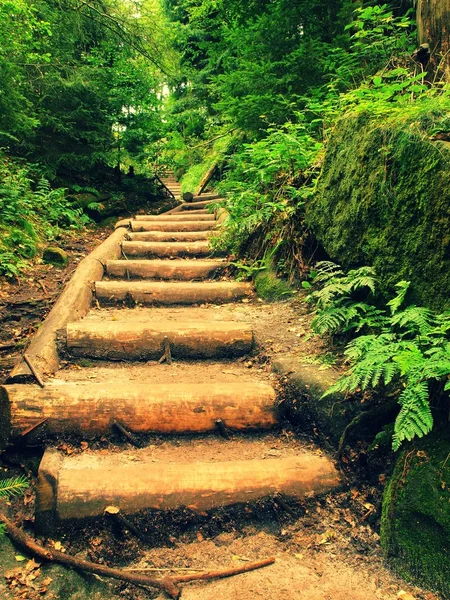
(270, 287)
(191, 180)
(383, 199)
(55, 256)
(415, 528)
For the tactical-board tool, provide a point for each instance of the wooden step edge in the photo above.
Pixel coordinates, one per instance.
(90, 408)
(170, 293)
(119, 340)
(186, 270)
(77, 487)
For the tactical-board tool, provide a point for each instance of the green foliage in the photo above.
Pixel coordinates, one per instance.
(268, 181)
(31, 212)
(404, 348)
(79, 81)
(337, 311)
(12, 486)
(270, 287)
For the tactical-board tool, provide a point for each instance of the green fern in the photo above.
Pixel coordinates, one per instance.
(397, 301)
(13, 486)
(10, 487)
(336, 311)
(406, 349)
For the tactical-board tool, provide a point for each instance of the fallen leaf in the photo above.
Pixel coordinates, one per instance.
(32, 565)
(19, 557)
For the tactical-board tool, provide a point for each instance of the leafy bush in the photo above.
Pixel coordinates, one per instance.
(267, 181)
(404, 348)
(30, 213)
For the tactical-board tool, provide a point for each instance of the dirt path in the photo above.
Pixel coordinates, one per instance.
(211, 496)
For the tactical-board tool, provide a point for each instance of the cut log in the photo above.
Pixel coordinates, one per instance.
(115, 340)
(176, 217)
(169, 236)
(123, 223)
(203, 197)
(91, 408)
(200, 211)
(207, 177)
(172, 226)
(74, 303)
(168, 293)
(166, 249)
(74, 487)
(200, 204)
(165, 269)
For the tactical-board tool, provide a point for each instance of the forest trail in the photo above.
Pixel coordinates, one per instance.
(167, 349)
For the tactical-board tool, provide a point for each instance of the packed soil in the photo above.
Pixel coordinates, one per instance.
(325, 548)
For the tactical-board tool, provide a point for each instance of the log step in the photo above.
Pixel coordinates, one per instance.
(172, 225)
(168, 236)
(90, 408)
(82, 486)
(200, 203)
(166, 249)
(168, 293)
(165, 269)
(176, 217)
(204, 197)
(115, 340)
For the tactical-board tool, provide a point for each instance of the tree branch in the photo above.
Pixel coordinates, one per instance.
(167, 584)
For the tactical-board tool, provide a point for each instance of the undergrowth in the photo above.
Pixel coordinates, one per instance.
(393, 348)
(10, 487)
(31, 213)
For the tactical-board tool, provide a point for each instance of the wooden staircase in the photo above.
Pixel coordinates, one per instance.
(166, 262)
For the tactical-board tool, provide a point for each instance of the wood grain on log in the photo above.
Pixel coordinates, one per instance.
(115, 340)
(168, 293)
(168, 236)
(187, 270)
(160, 249)
(84, 485)
(91, 408)
(172, 225)
(177, 218)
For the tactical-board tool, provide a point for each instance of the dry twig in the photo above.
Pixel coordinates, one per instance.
(167, 584)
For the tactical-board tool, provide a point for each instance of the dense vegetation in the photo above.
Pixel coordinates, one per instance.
(80, 89)
(328, 128)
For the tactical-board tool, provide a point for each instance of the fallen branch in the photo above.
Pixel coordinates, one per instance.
(127, 434)
(36, 375)
(167, 584)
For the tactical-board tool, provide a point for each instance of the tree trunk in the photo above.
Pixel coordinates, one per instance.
(433, 23)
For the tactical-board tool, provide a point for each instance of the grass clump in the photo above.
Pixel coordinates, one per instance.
(270, 287)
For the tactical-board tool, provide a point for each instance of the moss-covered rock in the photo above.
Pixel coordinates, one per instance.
(415, 529)
(383, 199)
(270, 287)
(55, 256)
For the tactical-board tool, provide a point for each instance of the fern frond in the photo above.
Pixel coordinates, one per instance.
(13, 486)
(397, 301)
(414, 418)
(415, 320)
